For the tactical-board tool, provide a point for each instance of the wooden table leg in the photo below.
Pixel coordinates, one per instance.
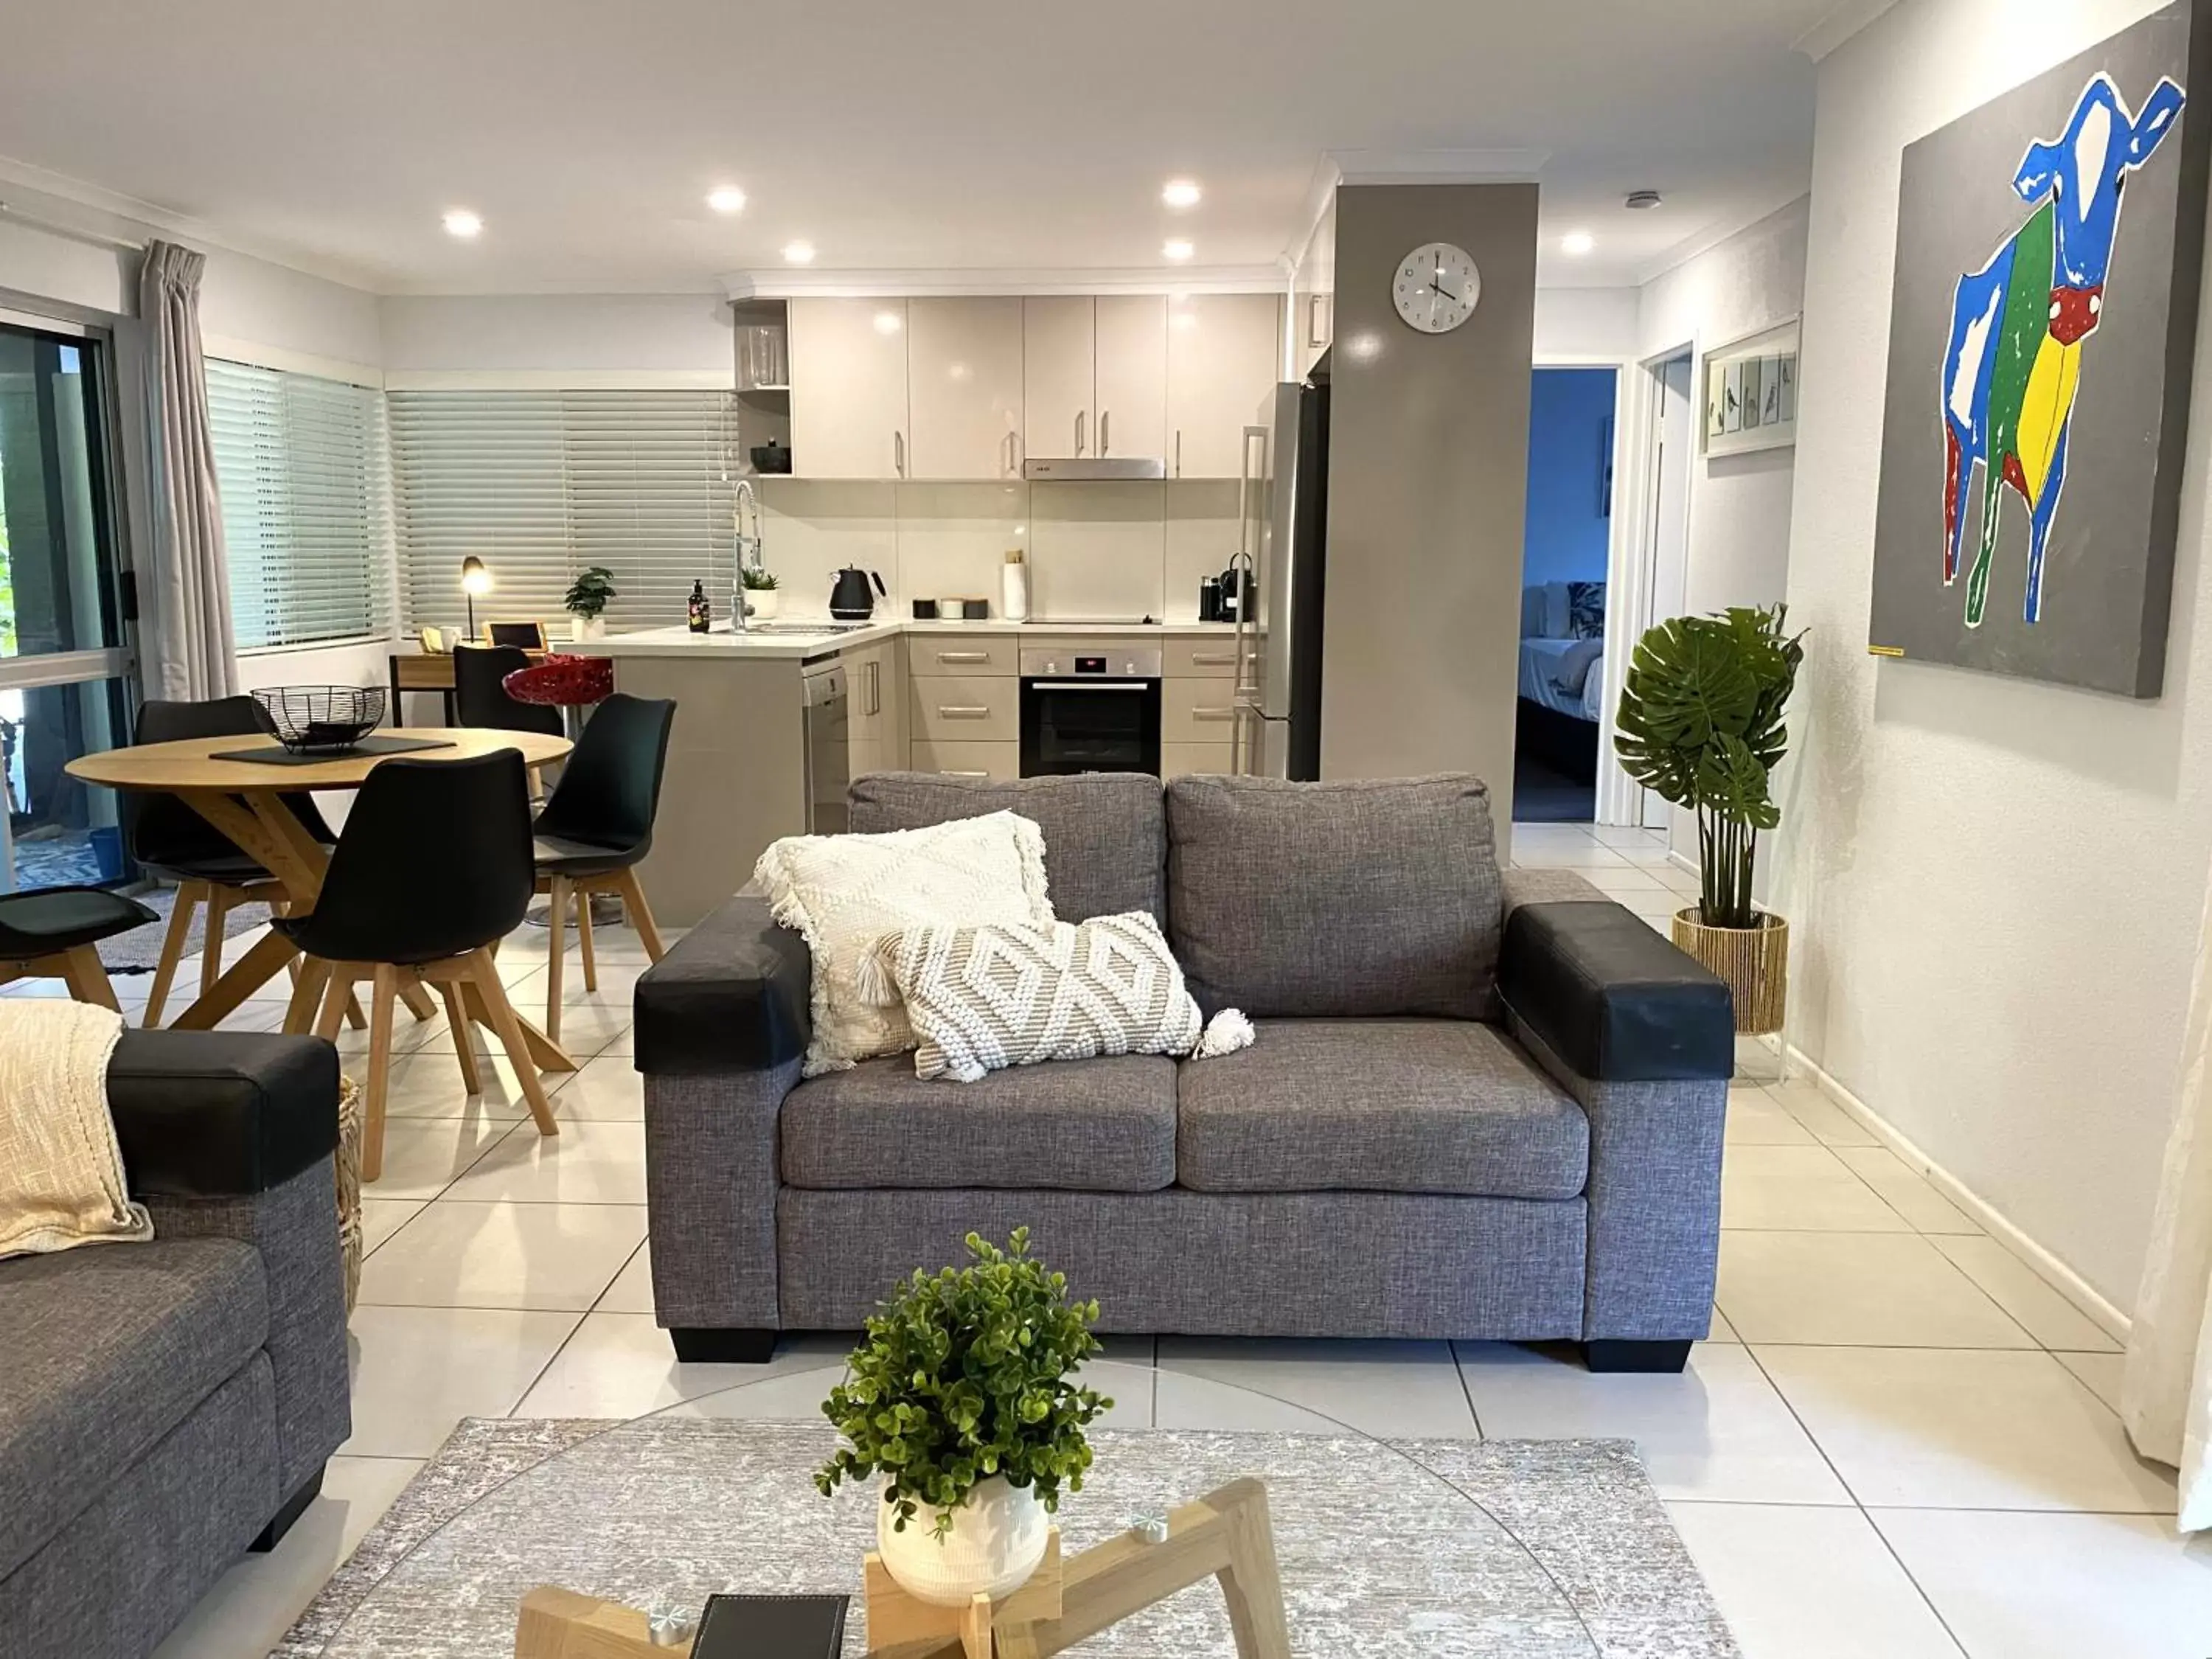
(240, 981)
(549, 1056)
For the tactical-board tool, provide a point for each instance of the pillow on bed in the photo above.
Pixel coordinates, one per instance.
(1556, 612)
(1571, 673)
(1532, 612)
(1585, 612)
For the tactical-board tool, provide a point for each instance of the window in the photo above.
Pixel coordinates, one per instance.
(305, 514)
(541, 484)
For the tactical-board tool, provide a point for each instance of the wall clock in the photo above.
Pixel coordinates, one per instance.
(1435, 287)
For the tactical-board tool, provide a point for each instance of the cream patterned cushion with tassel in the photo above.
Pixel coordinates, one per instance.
(985, 997)
(61, 1171)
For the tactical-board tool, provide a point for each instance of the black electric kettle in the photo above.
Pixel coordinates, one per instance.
(849, 599)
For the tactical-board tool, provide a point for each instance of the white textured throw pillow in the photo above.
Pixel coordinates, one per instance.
(984, 997)
(843, 893)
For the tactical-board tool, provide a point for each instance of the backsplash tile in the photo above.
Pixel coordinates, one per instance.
(1100, 550)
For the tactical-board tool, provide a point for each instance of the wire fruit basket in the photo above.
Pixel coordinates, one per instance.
(321, 719)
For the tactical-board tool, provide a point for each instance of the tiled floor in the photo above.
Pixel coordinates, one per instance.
(1898, 1441)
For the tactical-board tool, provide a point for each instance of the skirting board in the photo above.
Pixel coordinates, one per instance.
(1992, 1221)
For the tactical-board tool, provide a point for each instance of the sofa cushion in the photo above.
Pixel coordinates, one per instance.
(1335, 900)
(1384, 1105)
(1103, 1125)
(106, 1350)
(1105, 833)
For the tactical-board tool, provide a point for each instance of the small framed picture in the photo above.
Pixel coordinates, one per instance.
(1751, 392)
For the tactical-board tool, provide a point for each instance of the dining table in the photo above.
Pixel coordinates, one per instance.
(243, 798)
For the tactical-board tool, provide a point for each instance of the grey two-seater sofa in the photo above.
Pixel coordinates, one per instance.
(165, 1405)
(1480, 1105)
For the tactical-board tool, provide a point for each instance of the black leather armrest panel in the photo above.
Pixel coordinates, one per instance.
(1612, 999)
(732, 995)
(221, 1114)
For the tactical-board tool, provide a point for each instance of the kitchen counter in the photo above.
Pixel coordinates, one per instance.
(723, 642)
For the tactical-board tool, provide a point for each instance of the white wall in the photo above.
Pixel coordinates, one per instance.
(1996, 884)
(684, 335)
(1586, 325)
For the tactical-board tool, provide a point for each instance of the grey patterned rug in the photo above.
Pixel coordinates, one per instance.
(138, 950)
(1416, 1549)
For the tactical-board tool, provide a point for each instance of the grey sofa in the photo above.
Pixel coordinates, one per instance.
(1481, 1104)
(167, 1405)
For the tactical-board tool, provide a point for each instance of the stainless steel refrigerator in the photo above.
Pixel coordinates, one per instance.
(1283, 550)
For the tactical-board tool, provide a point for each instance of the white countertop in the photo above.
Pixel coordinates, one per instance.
(723, 642)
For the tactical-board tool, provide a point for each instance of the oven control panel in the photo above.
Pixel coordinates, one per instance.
(1103, 661)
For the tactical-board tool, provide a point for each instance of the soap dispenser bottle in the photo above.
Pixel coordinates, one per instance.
(699, 619)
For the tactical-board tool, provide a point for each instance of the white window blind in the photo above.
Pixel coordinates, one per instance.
(540, 485)
(306, 505)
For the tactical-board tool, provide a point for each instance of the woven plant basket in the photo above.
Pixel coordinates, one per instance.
(1754, 961)
(349, 1167)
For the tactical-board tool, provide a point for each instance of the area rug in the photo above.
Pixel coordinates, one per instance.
(139, 949)
(1498, 1549)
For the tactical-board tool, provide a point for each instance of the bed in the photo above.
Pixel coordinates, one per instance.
(1562, 675)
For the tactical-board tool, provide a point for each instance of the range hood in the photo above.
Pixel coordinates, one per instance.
(1065, 468)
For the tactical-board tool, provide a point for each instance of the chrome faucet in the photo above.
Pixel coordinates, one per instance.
(751, 549)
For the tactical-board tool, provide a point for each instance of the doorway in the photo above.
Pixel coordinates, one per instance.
(1566, 549)
(65, 665)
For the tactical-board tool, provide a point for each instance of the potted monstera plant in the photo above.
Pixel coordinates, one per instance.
(961, 1401)
(1701, 724)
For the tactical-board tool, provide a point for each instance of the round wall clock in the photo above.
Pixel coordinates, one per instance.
(1435, 287)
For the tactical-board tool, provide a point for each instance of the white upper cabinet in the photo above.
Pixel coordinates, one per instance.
(1132, 376)
(848, 389)
(1224, 352)
(1059, 358)
(964, 382)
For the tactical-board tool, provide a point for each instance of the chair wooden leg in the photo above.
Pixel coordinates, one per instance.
(173, 950)
(87, 977)
(313, 975)
(556, 949)
(583, 935)
(219, 901)
(640, 913)
(417, 1001)
(380, 1070)
(335, 993)
(484, 973)
(464, 1047)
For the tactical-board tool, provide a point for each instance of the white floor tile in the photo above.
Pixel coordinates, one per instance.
(1628, 838)
(1125, 1373)
(608, 1090)
(417, 1371)
(1566, 855)
(1754, 1120)
(1935, 1428)
(1718, 1430)
(585, 1163)
(380, 1217)
(1827, 1121)
(1799, 1190)
(428, 1083)
(461, 1254)
(620, 1364)
(1631, 884)
(794, 1397)
(632, 1290)
(1184, 1400)
(423, 1155)
(1808, 1583)
(617, 983)
(1722, 1330)
(1848, 1288)
(2060, 1586)
(1384, 1389)
(2100, 1373)
(1909, 1194)
(253, 1604)
(2021, 1292)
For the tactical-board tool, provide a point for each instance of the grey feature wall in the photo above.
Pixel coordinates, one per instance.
(1428, 472)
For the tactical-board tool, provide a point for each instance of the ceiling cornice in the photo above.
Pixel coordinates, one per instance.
(1842, 21)
(784, 284)
(1436, 166)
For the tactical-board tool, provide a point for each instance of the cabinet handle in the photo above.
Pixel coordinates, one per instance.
(1010, 467)
(963, 656)
(1213, 658)
(949, 772)
(963, 711)
(1105, 432)
(1213, 713)
(898, 452)
(875, 688)
(1079, 430)
(1178, 451)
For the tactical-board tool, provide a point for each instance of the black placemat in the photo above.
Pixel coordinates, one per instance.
(276, 755)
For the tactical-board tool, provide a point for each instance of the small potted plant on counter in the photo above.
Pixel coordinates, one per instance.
(760, 590)
(1701, 724)
(586, 599)
(962, 1400)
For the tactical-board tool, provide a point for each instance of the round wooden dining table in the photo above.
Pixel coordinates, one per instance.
(243, 798)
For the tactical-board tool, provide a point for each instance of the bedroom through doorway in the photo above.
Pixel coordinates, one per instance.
(1565, 547)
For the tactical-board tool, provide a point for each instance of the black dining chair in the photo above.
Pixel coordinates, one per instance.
(169, 839)
(433, 866)
(596, 828)
(53, 933)
(480, 699)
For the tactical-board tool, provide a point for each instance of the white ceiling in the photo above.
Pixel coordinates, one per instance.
(934, 137)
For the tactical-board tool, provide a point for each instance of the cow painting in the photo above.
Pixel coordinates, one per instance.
(2018, 325)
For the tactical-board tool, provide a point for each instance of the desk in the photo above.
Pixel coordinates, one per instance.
(428, 671)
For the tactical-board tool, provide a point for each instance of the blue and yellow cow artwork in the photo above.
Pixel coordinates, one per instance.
(2018, 323)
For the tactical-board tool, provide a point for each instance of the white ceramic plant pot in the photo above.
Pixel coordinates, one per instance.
(764, 602)
(587, 628)
(998, 1538)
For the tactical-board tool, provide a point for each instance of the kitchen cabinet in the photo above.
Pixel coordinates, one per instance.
(848, 389)
(1131, 375)
(964, 387)
(966, 709)
(1059, 375)
(1223, 355)
(1198, 711)
(1000, 762)
(1094, 375)
(1181, 760)
(875, 707)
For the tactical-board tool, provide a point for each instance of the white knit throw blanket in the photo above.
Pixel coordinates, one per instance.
(61, 1172)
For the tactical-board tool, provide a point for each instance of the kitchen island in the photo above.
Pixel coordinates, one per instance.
(772, 723)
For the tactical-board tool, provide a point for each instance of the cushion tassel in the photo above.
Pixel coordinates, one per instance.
(1224, 1034)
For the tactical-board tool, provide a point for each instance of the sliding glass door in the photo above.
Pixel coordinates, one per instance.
(64, 660)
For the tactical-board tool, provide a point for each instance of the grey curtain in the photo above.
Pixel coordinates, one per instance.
(193, 650)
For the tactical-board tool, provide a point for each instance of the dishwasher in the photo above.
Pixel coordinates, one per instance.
(829, 737)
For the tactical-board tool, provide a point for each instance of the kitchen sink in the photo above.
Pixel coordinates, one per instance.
(805, 627)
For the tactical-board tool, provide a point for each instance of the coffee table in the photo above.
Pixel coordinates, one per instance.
(1464, 1548)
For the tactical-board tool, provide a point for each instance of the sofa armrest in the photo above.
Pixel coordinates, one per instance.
(732, 995)
(221, 1114)
(1611, 997)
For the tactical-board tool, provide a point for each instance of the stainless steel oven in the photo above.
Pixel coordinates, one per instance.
(1091, 707)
